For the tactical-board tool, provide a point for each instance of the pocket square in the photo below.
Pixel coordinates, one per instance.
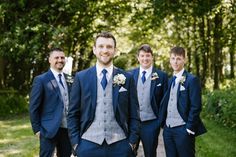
(159, 85)
(122, 89)
(182, 88)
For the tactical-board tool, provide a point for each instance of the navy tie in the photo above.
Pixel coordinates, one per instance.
(104, 79)
(143, 77)
(173, 81)
(60, 81)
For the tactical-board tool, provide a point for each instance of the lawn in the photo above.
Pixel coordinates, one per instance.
(17, 139)
(219, 141)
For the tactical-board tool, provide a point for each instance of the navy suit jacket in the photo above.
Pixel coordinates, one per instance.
(46, 105)
(83, 105)
(189, 103)
(158, 87)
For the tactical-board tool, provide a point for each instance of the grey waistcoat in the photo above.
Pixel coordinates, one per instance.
(104, 126)
(173, 117)
(65, 98)
(146, 112)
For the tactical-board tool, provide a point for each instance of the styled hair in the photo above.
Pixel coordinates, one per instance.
(179, 51)
(105, 35)
(55, 49)
(146, 48)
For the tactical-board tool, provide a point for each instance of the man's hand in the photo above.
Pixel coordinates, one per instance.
(38, 134)
(133, 146)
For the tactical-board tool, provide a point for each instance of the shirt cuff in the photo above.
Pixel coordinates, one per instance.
(190, 132)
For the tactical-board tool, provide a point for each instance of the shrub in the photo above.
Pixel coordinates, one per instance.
(12, 103)
(220, 105)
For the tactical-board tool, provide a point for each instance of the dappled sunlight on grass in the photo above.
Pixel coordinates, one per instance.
(219, 141)
(17, 139)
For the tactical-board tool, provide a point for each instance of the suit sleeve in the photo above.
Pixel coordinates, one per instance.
(195, 104)
(36, 97)
(74, 111)
(134, 119)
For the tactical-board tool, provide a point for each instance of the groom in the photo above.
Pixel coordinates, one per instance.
(103, 118)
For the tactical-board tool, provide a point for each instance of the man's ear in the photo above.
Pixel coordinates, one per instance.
(94, 48)
(185, 60)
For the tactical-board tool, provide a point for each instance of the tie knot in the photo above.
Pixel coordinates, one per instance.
(104, 71)
(174, 77)
(59, 75)
(173, 81)
(144, 72)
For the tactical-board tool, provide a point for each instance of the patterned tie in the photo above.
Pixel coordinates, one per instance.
(104, 79)
(173, 81)
(60, 81)
(143, 77)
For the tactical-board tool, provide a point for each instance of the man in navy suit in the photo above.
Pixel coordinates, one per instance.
(49, 106)
(103, 118)
(151, 85)
(181, 104)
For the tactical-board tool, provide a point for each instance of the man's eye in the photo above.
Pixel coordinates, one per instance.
(109, 46)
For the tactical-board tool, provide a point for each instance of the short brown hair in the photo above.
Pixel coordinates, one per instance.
(105, 35)
(146, 48)
(55, 49)
(179, 51)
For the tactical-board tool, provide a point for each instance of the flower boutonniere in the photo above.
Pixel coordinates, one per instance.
(154, 76)
(69, 79)
(182, 79)
(119, 79)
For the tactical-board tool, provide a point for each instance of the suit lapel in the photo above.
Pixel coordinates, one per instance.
(115, 90)
(166, 97)
(153, 83)
(136, 74)
(92, 75)
(53, 81)
(178, 90)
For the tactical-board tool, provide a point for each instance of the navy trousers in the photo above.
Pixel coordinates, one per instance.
(61, 142)
(117, 149)
(149, 136)
(178, 143)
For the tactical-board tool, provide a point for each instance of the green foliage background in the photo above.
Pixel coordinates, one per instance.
(29, 29)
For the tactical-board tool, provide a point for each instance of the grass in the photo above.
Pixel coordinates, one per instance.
(17, 139)
(219, 141)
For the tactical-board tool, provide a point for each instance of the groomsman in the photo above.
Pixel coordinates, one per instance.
(151, 85)
(181, 104)
(49, 101)
(103, 118)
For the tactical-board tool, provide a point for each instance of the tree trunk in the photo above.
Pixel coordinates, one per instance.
(1, 72)
(218, 65)
(203, 52)
(231, 53)
(195, 55)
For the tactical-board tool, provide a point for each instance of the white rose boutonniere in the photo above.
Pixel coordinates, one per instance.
(119, 79)
(154, 76)
(69, 79)
(182, 79)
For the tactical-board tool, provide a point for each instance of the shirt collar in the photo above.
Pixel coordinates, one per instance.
(99, 69)
(55, 73)
(179, 75)
(148, 71)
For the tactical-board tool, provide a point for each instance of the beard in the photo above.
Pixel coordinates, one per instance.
(105, 61)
